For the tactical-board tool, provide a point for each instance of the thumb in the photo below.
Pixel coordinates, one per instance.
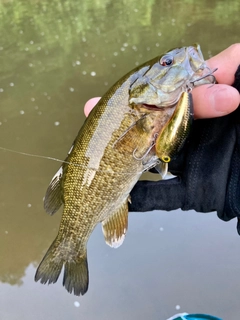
(214, 100)
(90, 104)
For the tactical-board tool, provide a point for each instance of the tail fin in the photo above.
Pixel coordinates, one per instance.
(75, 270)
(76, 276)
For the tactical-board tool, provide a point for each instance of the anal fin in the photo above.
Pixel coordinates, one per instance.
(115, 228)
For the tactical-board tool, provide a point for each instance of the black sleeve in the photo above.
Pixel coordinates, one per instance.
(207, 170)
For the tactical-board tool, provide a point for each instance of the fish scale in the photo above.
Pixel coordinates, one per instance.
(113, 147)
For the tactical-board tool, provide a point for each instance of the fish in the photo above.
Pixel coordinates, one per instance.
(140, 123)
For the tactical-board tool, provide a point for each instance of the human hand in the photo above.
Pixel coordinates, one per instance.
(207, 168)
(211, 101)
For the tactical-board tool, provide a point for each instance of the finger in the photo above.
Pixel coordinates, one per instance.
(214, 100)
(90, 104)
(227, 63)
(209, 101)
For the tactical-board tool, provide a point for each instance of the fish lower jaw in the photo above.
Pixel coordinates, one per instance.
(155, 107)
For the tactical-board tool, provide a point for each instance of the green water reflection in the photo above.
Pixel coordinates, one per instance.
(54, 55)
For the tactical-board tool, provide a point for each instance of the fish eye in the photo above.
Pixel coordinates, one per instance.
(166, 61)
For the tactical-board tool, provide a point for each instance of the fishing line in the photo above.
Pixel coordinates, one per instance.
(37, 156)
(67, 162)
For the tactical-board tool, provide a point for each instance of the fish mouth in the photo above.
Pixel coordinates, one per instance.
(153, 107)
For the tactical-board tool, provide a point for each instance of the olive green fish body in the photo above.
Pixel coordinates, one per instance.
(95, 183)
(117, 142)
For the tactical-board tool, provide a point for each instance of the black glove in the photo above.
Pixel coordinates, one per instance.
(207, 170)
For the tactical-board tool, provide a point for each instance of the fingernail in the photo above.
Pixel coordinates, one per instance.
(224, 99)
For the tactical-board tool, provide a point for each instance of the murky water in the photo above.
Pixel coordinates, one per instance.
(54, 55)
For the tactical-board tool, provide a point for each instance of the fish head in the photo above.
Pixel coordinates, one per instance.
(177, 71)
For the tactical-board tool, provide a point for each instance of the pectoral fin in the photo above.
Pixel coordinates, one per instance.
(162, 169)
(53, 197)
(115, 228)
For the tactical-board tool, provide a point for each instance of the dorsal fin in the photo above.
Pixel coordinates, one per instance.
(53, 198)
(115, 228)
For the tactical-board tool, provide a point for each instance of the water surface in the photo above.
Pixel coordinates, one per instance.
(54, 55)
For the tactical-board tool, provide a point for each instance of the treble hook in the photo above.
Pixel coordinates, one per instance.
(210, 74)
(148, 150)
(128, 129)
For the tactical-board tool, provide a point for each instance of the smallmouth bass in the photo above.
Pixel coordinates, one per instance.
(144, 117)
